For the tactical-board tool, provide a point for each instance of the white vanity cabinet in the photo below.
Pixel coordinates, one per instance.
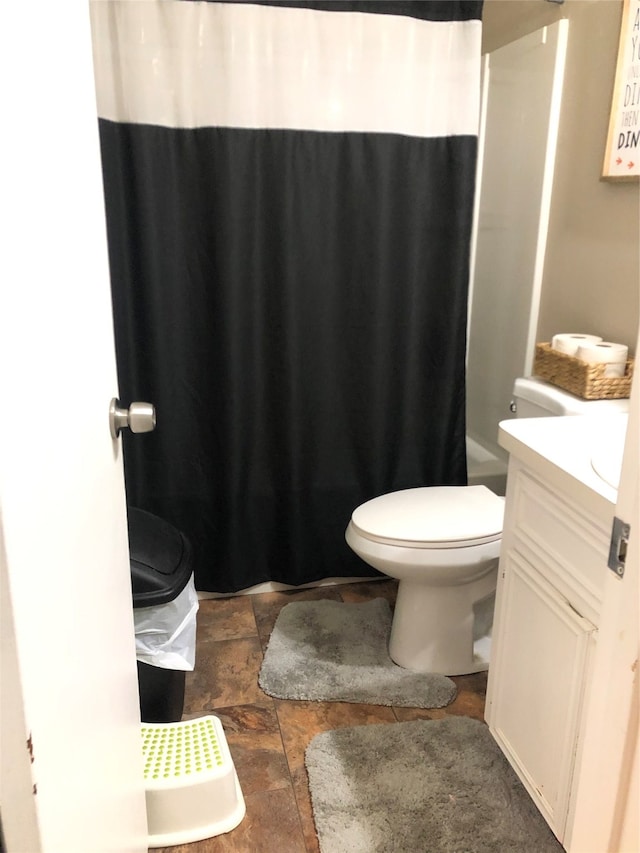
(552, 570)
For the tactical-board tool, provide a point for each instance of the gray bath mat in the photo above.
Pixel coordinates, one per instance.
(329, 651)
(431, 786)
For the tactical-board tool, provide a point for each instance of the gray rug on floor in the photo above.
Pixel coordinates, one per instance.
(330, 651)
(431, 786)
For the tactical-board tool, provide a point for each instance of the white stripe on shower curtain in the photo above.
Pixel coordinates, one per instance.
(188, 65)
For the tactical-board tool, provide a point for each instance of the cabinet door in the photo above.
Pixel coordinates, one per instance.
(538, 678)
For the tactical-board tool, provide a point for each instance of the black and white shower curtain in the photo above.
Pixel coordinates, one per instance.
(289, 192)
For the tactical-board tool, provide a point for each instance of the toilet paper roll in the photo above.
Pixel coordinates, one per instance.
(605, 352)
(568, 343)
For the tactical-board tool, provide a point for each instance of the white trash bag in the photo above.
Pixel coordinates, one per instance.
(166, 633)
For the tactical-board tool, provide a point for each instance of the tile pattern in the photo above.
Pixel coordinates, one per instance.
(267, 737)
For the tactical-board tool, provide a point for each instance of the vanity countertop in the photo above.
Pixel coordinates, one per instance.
(565, 449)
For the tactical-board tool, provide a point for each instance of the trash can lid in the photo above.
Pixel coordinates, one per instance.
(160, 557)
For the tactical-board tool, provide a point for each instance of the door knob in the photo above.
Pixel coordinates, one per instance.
(139, 417)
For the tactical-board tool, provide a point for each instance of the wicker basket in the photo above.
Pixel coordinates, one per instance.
(584, 380)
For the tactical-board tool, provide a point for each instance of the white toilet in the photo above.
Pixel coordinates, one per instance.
(443, 543)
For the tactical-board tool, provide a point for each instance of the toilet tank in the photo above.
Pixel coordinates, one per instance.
(535, 398)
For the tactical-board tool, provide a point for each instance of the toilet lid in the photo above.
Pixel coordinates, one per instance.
(432, 517)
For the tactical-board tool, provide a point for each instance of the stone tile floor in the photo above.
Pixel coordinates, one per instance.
(267, 737)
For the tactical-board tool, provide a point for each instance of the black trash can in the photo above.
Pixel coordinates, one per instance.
(161, 567)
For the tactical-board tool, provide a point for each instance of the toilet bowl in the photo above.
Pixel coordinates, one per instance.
(442, 543)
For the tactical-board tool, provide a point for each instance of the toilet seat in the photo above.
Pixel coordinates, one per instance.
(432, 517)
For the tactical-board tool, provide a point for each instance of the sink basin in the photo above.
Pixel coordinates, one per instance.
(606, 461)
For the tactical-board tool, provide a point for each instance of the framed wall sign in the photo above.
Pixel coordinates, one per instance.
(622, 155)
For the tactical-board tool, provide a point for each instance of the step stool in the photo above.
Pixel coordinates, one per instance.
(191, 785)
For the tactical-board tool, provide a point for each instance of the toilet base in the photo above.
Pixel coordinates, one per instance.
(433, 628)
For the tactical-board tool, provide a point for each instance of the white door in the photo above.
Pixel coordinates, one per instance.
(522, 88)
(71, 759)
(535, 709)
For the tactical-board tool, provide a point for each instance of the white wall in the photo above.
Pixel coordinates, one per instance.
(591, 279)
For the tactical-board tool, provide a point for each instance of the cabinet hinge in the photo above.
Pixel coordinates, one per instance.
(618, 546)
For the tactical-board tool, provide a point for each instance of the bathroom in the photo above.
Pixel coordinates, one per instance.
(590, 283)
